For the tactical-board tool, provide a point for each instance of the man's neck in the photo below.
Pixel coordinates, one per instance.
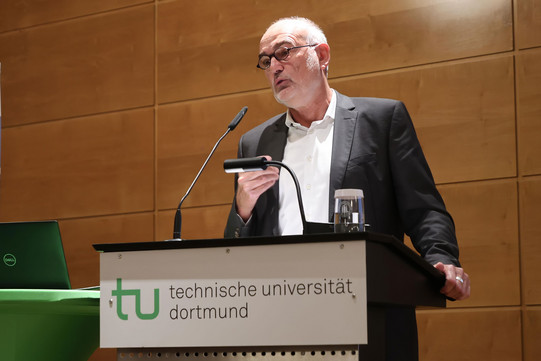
(314, 111)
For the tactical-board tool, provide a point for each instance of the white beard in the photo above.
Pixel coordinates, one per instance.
(312, 64)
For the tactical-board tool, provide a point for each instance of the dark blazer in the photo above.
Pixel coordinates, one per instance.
(375, 148)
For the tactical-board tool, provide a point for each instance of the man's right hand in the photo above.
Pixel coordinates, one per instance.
(251, 185)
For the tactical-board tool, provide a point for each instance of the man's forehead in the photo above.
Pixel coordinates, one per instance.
(276, 40)
(279, 34)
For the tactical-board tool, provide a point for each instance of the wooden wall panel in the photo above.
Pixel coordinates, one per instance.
(529, 111)
(78, 236)
(16, 14)
(532, 330)
(197, 223)
(195, 60)
(454, 63)
(79, 167)
(470, 335)
(164, 225)
(93, 65)
(436, 31)
(186, 134)
(463, 114)
(528, 23)
(486, 219)
(530, 229)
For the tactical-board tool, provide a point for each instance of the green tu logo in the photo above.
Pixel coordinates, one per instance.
(119, 292)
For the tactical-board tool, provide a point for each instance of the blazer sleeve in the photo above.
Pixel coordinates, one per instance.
(421, 208)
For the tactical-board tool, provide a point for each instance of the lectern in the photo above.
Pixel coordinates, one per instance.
(295, 297)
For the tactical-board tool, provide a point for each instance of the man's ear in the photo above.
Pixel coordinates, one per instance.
(323, 52)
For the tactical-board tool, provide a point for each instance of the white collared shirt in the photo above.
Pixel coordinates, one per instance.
(308, 153)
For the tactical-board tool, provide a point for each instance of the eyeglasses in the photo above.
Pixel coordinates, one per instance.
(280, 54)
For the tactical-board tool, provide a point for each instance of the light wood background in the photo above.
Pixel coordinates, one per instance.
(111, 106)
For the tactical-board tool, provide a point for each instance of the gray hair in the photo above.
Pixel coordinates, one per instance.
(314, 32)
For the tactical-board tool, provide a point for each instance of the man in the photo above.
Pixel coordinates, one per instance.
(331, 142)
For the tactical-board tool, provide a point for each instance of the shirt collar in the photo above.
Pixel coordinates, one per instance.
(328, 118)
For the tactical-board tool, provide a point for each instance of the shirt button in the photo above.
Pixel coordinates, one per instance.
(309, 158)
(308, 186)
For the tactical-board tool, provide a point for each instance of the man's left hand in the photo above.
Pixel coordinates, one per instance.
(457, 282)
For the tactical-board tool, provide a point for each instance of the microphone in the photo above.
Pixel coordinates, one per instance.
(241, 165)
(230, 127)
(236, 120)
(261, 163)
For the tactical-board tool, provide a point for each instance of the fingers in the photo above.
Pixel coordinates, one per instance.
(253, 179)
(457, 282)
(250, 186)
(458, 287)
(440, 266)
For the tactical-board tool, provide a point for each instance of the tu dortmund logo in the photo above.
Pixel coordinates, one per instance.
(119, 293)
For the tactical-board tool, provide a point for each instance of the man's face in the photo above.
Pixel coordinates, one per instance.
(294, 79)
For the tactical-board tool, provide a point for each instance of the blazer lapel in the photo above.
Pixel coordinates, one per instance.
(273, 142)
(344, 126)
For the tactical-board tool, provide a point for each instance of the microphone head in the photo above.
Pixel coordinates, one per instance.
(238, 118)
(240, 165)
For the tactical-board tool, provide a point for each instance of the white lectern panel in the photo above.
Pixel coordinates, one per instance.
(285, 294)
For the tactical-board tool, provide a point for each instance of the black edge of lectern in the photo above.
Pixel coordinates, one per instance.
(436, 277)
